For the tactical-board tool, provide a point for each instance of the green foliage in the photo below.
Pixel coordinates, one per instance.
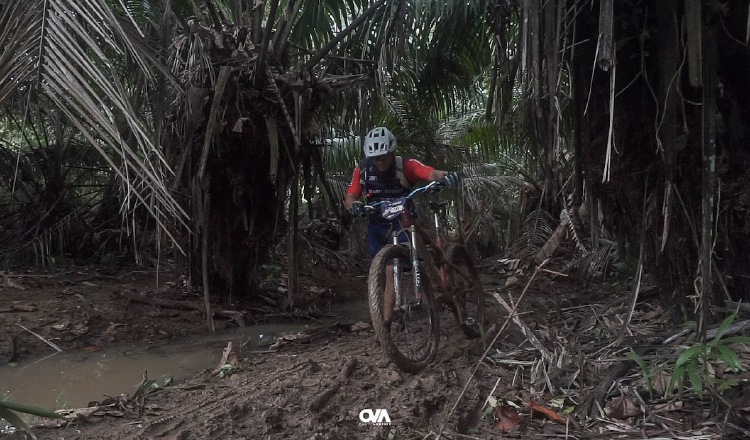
(9, 409)
(61, 402)
(226, 370)
(695, 361)
(648, 373)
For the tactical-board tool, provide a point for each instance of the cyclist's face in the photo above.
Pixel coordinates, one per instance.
(382, 163)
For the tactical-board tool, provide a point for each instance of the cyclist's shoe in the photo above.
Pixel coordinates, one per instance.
(443, 299)
(411, 307)
(398, 326)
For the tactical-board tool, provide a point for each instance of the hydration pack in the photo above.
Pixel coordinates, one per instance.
(400, 176)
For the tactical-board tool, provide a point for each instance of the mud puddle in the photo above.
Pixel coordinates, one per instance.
(73, 379)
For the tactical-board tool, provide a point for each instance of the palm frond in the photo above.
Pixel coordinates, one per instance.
(535, 231)
(23, 25)
(71, 53)
(591, 264)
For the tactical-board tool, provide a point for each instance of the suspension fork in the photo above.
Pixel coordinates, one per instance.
(396, 276)
(415, 267)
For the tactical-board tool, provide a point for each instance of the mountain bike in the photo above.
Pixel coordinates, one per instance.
(407, 324)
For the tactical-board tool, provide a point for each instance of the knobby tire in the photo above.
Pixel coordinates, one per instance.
(376, 288)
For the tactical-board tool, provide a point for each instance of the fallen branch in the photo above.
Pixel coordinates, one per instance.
(234, 315)
(733, 329)
(88, 414)
(307, 336)
(51, 344)
(326, 395)
(18, 308)
(524, 328)
(555, 273)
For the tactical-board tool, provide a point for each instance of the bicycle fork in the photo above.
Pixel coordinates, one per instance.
(415, 268)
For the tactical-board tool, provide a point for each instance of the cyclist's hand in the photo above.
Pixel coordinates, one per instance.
(450, 180)
(356, 209)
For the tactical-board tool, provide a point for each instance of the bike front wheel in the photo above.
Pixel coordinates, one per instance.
(411, 336)
(467, 292)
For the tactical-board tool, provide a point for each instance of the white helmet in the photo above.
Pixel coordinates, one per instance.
(379, 141)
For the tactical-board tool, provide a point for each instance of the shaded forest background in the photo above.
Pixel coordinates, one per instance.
(221, 134)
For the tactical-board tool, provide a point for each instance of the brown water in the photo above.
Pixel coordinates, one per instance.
(73, 379)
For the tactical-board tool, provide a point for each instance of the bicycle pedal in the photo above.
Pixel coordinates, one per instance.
(412, 307)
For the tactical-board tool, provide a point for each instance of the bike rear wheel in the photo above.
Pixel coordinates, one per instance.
(468, 295)
(411, 339)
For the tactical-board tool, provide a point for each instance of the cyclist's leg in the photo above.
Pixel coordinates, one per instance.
(377, 237)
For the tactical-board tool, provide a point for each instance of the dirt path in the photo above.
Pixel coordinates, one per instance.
(315, 390)
(318, 387)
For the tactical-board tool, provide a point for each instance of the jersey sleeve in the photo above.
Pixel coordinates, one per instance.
(355, 187)
(415, 171)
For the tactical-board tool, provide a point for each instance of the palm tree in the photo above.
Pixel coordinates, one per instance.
(209, 135)
(61, 86)
(207, 117)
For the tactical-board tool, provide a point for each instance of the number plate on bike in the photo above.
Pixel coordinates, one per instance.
(393, 209)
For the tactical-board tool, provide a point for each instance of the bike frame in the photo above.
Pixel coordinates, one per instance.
(436, 266)
(415, 233)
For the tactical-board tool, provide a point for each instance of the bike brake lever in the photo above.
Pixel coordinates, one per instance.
(367, 210)
(436, 187)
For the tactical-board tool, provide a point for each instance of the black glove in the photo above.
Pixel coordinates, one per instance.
(450, 180)
(356, 209)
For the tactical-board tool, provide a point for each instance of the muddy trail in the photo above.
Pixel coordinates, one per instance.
(551, 369)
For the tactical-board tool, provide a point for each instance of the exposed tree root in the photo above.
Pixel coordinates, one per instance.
(234, 315)
(326, 395)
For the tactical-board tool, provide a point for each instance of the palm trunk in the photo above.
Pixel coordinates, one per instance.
(668, 79)
(292, 241)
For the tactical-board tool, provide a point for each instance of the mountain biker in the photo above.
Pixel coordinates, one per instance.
(383, 175)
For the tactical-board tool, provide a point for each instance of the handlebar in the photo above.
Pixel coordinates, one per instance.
(434, 186)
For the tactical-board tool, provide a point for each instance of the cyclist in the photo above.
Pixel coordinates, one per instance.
(384, 175)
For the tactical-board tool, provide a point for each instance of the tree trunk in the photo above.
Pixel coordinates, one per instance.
(709, 174)
(668, 81)
(292, 243)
